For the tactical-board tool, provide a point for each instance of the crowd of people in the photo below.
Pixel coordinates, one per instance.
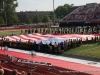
(65, 30)
(12, 59)
(55, 48)
(60, 30)
(84, 13)
(14, 72)
(49, 48)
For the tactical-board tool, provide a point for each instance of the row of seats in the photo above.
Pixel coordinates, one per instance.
(83, 13)
(36, 69)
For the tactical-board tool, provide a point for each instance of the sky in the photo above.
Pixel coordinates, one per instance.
(47, 5)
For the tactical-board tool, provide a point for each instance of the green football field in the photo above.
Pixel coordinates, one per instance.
(89, 50)
(8, 32)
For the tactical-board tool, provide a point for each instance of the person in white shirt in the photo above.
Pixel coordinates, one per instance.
(5, 49)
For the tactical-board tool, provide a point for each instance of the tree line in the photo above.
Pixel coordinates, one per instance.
(59, 12)
(8, 12)
(37, 19)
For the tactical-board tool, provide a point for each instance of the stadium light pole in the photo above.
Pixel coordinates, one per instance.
(53, 12)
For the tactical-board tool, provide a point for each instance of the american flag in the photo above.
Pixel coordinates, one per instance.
(47, 38)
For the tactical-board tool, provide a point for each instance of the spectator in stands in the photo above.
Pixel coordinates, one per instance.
(30, 73)
(15, 72)
(1, 71)
(0, 62)
(23, 73)
(48, 64)
(9, 57)
(53, 67)
(0, 65)
(5, 49)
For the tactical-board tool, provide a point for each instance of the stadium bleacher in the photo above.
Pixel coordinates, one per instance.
(36, 69)
(87, 12)
(83, 13)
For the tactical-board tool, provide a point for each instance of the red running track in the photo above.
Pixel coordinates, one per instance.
(60, 63)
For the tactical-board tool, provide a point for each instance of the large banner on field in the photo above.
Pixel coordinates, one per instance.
(47, 38)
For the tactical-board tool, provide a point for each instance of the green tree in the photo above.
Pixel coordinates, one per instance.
(54, 18)
(8, 11)
(62, 11)
(45, 19)
(36, 19)
(15, 18)
(27, 20)
(1, 21)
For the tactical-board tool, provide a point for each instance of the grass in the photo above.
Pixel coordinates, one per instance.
(89, 50)
(4, 33)
(8, 33)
